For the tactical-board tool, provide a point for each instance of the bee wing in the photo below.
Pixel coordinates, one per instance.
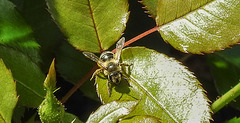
(94, 58)
(119, 47)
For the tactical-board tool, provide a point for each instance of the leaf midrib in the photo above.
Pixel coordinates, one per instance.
(31, 61)
(145, 91)
(94, 25)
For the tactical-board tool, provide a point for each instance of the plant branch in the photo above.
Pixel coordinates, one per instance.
(75, 87)
(89, 73)
(139, 37)
(226, 98)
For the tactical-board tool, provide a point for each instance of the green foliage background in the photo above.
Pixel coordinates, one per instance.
(30, 38)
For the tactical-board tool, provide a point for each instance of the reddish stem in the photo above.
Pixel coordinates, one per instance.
(75, 87)
(88, 75)
(139, 37)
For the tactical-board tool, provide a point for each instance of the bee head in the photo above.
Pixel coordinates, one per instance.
(115, 77)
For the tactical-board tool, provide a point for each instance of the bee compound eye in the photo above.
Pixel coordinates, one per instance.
(107, 55)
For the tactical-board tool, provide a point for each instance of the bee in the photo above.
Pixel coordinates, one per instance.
(109, 64)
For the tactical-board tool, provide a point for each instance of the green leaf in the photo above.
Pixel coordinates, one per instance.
(90, 25)
(199, 26)
(112, 112)
(19, 51)
(15, 32)
(32, 118)
(46, 31)
(50, 81)
(151, 6)
(165, 88)
(142, 119)
(18, 114)
(70, 118)
(29, 86)
(8, 94)
(234, 120)
(51, 110)
(225, 68)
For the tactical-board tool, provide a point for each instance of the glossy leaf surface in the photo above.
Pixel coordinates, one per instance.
(19, 51)
(225, 68)
(90, 25)
(8, 94)
(165, 88)
(112, 112)
(142, 119)
(199, 26)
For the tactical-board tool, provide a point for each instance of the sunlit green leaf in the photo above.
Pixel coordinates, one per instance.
(112, 112)
(151, 6)
(19, 51)
(165, 88)
(225, 68)
(90, 25)
(142, 119)
(199, 26)
(8, 94)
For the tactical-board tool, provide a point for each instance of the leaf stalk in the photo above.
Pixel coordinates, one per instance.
(226, 98)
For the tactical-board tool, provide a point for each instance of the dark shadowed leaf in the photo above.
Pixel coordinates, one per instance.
(19, 51)
(201, 26)
(15, 32)
(225, 67)
(70, 118)
(73, 67)
(90, 25)
(234, 120)
(8, 94)
(46, 31)
(165, 88)
(112, 112)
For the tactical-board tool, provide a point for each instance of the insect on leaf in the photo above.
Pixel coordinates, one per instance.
(165, 88)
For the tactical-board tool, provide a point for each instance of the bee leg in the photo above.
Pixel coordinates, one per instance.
(126, 78)
(125, 64)
(109, 89)
(96, 73)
